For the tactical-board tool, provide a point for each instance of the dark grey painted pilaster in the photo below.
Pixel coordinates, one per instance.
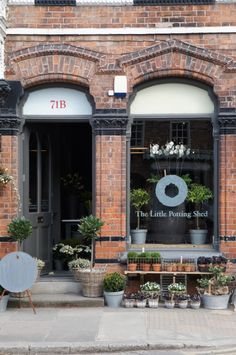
(10, 93)
(110, 122)
(227, 121)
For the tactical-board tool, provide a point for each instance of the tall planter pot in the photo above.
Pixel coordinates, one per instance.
(138, 236)
(3, 303)
(92, 282)
(215, 302)
(113, 299)
(198, 236)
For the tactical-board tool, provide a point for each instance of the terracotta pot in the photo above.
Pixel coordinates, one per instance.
(174, 267)
(156, 267)
(146, 267)
(169, 268)
(132, 267)
(187, 268)
(180, 267)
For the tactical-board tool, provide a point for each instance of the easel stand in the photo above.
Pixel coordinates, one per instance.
(30, 300)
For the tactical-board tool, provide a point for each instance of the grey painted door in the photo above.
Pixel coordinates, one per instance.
(37, 206)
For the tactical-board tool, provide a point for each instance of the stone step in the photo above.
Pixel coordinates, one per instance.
(56, 285)
(56, 300)
(57, 290)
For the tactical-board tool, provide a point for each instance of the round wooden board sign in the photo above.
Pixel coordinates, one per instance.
(18, 271)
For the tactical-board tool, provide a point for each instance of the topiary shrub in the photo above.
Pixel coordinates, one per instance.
(114, 282)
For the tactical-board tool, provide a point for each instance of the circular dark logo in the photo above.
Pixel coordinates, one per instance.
(181, 186)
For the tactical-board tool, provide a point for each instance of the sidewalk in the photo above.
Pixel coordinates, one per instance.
(102, 329)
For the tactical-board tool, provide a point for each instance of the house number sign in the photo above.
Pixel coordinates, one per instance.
(57, 101)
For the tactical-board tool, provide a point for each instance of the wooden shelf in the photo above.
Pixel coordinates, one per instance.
(127, 272)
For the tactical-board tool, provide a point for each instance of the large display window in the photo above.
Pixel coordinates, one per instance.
(172, 164)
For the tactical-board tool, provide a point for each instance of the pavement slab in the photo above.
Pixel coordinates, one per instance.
(104, 330)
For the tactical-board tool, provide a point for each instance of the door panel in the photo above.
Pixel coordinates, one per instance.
(37, 194)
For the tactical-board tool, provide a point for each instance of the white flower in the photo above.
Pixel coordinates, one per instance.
(79, 263)
(40, 263)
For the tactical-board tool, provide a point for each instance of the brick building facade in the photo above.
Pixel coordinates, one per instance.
(84, 46)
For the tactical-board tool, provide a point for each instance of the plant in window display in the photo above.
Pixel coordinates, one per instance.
(197, 195)
(139, 198)
(173, 154)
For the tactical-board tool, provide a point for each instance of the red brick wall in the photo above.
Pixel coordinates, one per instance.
(111, 193)
(126, 16)
(9, 194)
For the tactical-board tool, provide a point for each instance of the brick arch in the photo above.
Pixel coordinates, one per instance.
(176, 58)
(57, 62)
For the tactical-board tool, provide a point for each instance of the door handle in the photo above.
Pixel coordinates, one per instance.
(40, 219)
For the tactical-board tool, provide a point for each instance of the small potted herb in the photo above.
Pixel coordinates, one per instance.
(113, 286)
(132, 261)
(152, 291)
(195, 301)
(156, 261)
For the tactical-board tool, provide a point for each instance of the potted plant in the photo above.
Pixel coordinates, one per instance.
(156, 261)
(91, 278)
(197, 194)
(144, 261)
(4, 297)
(19, 229)
(182, 300)
(175, 289)
(139, 198)
(132, 260)
(215, 291)
(5, 178)
(195, 301)
(76, 265)
(40, 266)
(129, 300)
(168, 300)
(152, 291)
(113, 286)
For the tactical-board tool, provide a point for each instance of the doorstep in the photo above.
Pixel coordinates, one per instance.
(57, 290)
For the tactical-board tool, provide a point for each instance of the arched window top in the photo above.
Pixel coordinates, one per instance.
(172, 99)
(57, 101)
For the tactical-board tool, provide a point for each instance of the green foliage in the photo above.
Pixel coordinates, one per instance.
(203, 282)
(114, 282)
(217, 284)
(176, 288)
(156, 256)
(132, 255)
(73, 183)
(153, 179)
(90, 226)
(19, 229)
(139, 198)
(199, 193)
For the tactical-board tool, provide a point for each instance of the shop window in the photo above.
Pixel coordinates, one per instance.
(179, 132)
(169, 168)
(137, 134)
